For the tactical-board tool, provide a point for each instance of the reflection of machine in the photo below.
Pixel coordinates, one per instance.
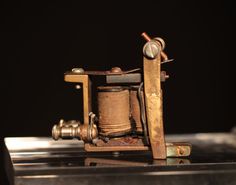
(129, 108)
(90, 161)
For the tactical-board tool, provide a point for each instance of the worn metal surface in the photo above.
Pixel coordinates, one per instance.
(122, 141)
(131, 78)
(124, 78)
(134, 144)
(153, 100)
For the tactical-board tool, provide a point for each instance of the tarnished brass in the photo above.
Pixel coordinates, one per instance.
(84, 79)
(128, 107)
(171, 149)
(153, 100)
(73, 129)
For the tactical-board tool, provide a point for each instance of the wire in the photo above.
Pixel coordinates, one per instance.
(143, 113)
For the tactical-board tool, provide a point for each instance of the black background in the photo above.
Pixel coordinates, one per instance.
(42, 41)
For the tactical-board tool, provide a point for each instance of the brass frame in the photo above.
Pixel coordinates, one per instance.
(153, 76)
(84, 79)
(153, 100)
(171, 149)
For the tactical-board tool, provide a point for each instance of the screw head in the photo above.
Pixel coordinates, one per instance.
(116, 70)
(78, 70)
(78, 86)
(151, 49)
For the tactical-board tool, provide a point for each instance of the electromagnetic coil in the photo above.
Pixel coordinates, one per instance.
(135, 108)
(113, 111)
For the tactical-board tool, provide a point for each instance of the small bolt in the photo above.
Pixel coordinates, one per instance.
(78, 70)
(164, 76)
(78, 86)
(180, 151)
(116, 70)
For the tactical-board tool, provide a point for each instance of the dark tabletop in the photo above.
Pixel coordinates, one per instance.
(38, 160)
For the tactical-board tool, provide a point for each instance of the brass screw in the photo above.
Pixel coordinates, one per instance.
(116, 70)
(180, 151)
(78, 70)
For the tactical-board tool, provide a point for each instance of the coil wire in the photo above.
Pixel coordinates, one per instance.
(113, 111)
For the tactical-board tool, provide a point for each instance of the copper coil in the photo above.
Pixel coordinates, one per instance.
(113, 110)
(135, 108)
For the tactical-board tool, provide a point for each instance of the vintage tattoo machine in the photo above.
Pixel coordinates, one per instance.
(129, 115)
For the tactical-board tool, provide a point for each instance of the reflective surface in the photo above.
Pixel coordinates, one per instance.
(42, 160)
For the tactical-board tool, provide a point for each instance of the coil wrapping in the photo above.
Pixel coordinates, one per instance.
(135, 108)
(113, 110)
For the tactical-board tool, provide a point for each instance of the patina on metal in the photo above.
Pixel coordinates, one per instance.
(73, 129)
(129, 113)
(153, 99)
